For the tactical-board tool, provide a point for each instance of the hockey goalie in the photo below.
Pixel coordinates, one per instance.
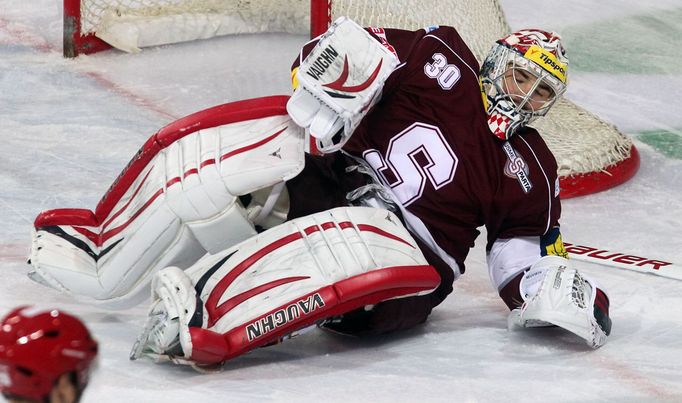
(245, 238)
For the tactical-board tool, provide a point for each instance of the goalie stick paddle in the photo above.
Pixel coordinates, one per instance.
(624, 261)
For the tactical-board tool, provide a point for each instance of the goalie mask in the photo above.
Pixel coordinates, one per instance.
(522, 77)
(37, 347)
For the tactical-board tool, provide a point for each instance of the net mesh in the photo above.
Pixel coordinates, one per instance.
(286, 15)
(580, 141)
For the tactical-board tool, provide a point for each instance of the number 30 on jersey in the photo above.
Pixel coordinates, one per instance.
(445, 74)
(415, 156)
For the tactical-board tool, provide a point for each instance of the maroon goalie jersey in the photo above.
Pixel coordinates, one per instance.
(428, 141)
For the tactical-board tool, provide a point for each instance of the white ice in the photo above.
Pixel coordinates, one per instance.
(67, 128)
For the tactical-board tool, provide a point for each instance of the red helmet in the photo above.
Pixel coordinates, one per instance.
(37, 346)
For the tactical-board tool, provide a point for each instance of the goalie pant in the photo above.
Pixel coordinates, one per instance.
(324, 184)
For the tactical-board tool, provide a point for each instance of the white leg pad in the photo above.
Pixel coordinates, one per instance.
(176, 200)
(228, 228)
(280, 281)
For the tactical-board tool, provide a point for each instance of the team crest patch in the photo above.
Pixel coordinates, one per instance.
(516, 168)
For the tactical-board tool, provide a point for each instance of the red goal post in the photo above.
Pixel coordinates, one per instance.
(88, 23)
(592, 155)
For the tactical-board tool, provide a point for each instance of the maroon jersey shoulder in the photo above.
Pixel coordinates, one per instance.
(526, 201)
(434, 59)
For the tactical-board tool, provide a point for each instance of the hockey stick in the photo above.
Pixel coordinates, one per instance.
(624, 261)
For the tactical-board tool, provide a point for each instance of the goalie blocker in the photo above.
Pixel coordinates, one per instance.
(338, 82)
(280, 281)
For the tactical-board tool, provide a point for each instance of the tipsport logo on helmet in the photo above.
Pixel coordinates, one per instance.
(547, 61)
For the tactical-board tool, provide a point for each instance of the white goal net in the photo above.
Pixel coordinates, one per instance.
(592, 155)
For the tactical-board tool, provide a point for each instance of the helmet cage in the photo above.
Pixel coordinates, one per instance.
(506, 61)
(506, 101)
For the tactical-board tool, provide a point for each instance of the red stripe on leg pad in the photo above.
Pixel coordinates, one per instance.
(66, 216)
(209, 347)
(386, 279)
(377, 230)
(212, 345)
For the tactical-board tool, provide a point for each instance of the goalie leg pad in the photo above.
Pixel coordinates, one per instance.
(290, 277)
(176, 200)
(565, 298)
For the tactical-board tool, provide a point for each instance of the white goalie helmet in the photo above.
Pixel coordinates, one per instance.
(522, 77)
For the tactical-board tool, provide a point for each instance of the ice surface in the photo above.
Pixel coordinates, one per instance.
(67, 128)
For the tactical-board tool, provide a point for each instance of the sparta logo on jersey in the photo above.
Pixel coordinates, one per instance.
(516, 167)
